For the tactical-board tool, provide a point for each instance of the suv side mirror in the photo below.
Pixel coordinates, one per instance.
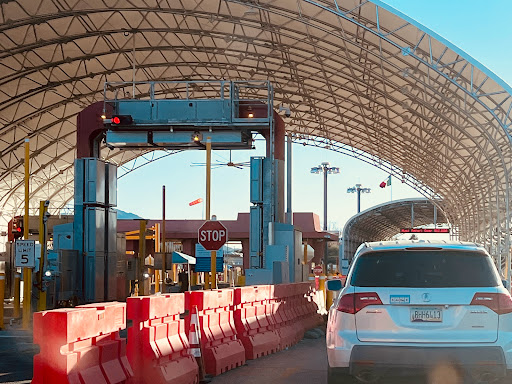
(334, 285)
(505, 284)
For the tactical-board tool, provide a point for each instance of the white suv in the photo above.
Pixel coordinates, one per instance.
(411, 307)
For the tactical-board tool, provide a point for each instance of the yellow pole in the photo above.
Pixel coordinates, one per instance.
(163, 248)
(207, 279)
(142, 256)
(322, 287)
(27, 272)
(41, 303)
(157, 249)
(213, 282)
(208, 175)
(2, 294)
(17, 278)
(329, 295)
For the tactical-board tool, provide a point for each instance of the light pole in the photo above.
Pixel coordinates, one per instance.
(358, 188)
(326, 168)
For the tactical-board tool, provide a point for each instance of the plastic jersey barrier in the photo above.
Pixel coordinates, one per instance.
(221, 348)
(306, 310)
(158, 347)
(253, 321)
(81, 345)
(288, 330)
(293, 312)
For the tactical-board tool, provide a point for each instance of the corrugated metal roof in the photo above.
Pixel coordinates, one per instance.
(358, 77)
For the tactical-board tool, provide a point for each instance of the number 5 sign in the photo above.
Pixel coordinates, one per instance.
(25, 255)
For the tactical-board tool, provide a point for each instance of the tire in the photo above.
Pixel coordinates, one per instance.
(339, 376)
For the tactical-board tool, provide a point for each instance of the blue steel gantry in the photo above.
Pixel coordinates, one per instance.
(153, 116)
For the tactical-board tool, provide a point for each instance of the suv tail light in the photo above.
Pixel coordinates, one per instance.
(354, 302)
(501, 303)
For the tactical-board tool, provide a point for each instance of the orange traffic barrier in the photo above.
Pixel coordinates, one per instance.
(222, 349)
(159, 350)
(253, 322)
(293, 312)
(81, 345)
(112, 348)
(289, 331)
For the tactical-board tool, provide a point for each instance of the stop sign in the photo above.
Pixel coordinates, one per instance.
(212, 235)
(318, 270)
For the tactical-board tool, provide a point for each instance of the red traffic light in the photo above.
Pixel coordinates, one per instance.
(17, 228)
(121, 120)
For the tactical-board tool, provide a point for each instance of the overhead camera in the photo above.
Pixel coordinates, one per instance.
(286, 110)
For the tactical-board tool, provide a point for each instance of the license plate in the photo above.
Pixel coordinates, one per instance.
(420, 315)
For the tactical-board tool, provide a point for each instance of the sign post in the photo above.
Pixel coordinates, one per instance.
(27, 272)
(212, 235)
(208, 200)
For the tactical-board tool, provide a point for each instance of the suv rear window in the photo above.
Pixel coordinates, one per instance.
(421, 269)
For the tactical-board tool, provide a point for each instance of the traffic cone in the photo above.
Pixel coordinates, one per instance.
(194, 338)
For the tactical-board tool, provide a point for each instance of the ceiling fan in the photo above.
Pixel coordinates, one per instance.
(230, 163)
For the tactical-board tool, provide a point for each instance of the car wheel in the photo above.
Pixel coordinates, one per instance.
(339, 376)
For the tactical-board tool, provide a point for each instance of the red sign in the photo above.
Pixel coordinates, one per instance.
(425, 230)
(318, 270)
(212, 235)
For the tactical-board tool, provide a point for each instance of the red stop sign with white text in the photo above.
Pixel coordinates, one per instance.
(212, 235)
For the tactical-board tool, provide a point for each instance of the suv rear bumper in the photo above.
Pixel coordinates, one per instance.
(385, 360)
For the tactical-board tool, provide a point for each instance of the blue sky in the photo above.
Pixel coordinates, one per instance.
(480, 28)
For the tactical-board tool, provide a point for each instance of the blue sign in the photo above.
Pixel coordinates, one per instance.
(203, 259)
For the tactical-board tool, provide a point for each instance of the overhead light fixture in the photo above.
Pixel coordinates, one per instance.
(197, 137)
(250, 115)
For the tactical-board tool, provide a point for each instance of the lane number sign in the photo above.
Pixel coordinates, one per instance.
(25, 253)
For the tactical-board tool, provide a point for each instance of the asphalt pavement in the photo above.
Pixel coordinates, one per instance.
(304, 363)
(16, 355)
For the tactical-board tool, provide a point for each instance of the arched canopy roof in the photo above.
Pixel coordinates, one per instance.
(384, 221)
(359, 78)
